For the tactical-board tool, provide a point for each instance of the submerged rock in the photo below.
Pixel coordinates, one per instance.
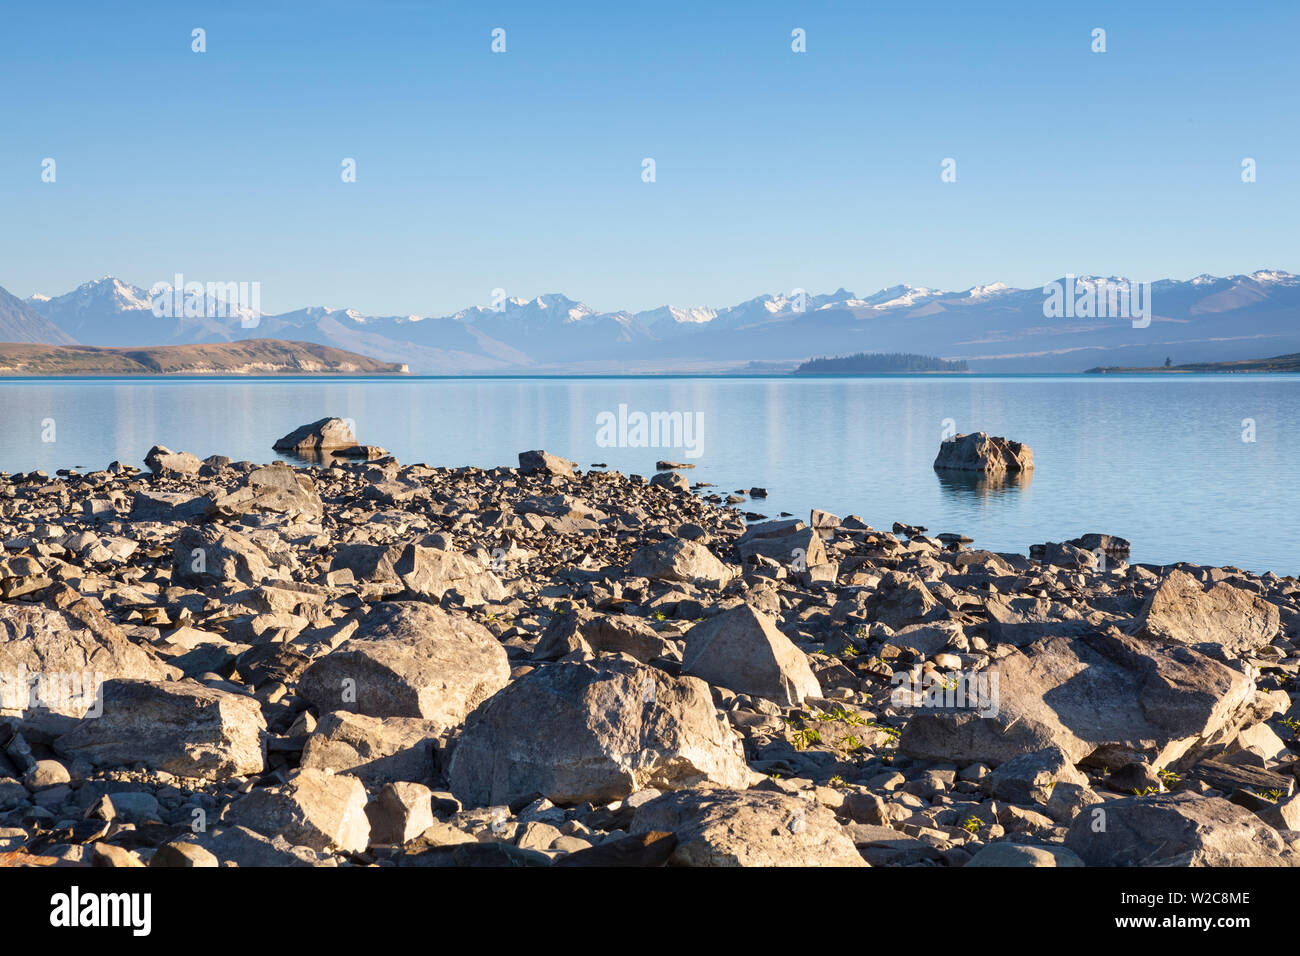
(980, 452)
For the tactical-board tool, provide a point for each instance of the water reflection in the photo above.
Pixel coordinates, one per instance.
(977, 486)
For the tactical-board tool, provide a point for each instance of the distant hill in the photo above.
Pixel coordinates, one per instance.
(865, 363)
(19, 322)
(1279, 363)
(250, 357)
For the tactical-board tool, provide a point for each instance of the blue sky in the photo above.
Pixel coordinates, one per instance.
(522, 170)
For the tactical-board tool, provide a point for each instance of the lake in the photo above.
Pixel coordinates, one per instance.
(1199, 468)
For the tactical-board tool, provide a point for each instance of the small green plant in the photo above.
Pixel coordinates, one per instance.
(660, 616)
(1168, 778)
(1272, 795)
(1145, 791)
(851, 651)
(973, 825)
(835, 781)
(852, 743)
(803, 739)
(1292, 724)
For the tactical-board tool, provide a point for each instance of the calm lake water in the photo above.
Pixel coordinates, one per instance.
(1159, 460)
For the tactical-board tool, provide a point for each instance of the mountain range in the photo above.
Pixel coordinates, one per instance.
(991, 327)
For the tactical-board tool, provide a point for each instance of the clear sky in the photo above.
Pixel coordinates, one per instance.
(523, 170)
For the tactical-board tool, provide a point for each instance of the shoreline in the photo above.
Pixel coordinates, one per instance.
(906, 699)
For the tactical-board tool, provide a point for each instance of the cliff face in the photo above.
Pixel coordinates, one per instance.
(250, 357)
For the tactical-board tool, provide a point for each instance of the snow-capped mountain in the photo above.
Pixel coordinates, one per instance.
(993, 326)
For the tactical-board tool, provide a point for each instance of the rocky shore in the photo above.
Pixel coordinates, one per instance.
(369, 663)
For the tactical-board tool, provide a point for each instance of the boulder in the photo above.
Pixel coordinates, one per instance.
(594, 731)
(1181, 610)
(1031, 777)
(743, 651)
(163, 461)
(688, 562)
(185, 729)
(209, 555)
(1108, 697)
(1018, 855)
(980, 452)
(671, 481)
(593, 633)
(322, 435)
(58, 659)
(374, 750)
(400, 813)
(799, 547)
(540, 462)
(409, 659)
(747, 828)
(426, 573)
(1178, 829)
(314, 808)
(275, 488)
(173, 507)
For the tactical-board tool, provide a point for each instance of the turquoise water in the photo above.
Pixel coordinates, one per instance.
(1157, 459)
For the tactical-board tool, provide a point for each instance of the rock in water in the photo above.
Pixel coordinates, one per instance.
(743, 651)
(980, 452)
(598, 731)
(747, 828)
(321, 435)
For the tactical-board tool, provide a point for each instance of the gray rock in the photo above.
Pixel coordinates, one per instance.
(409, 659)
(743, 651)
(1110, 696)
(1175, 830)
(1031, 777)
(182, 728)
(671, 481)
(372, 749)
(275, 488)
(400, 813)
(322, 435)
(688, 562)
(594, 731)
(427, 573)
(315, 809)
(163, 461)
(593, 633)
(1181, 610)
(980, 452)
(747, 828)
(540, 462)
(1017, 855)
(204, 556)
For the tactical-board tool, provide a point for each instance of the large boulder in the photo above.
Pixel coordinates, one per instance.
(316, 809)
(594, 731)
(1108, 697)
(747, 828)
(409, 659)
(1179, 829)
(679, 560)
(209, 555)
(788, 543)
(743, 651)
(322, 435)
(163, 461)
(374, 750)
(426, 573)
(1181, 610)
(540, 462)
(275, 488)
(594, 633)
(980, 452)
(57, 659)
(185, 729)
